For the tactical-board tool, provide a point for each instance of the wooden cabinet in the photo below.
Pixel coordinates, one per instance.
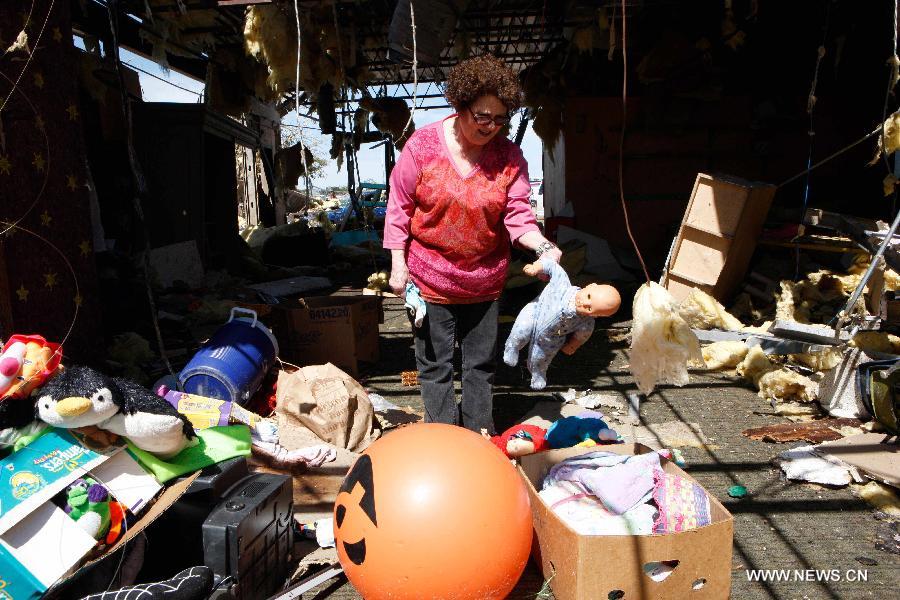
(717, 236)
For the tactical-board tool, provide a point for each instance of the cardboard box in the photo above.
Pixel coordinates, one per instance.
(34, 474)
(582, 567)
(38, 550)
(342, 330)
(41, 549)
(168, 497)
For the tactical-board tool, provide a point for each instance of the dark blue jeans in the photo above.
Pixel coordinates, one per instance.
(474, 327)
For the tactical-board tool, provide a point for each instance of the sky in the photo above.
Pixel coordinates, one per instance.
(157, 86)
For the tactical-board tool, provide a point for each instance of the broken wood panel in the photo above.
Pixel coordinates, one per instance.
(814, 432)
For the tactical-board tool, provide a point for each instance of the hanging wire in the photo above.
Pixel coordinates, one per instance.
(893, 66)
(65, 260)
(622, 143)
(811, 131)
(893, 63)
(140, 184)
(30, 56)
(878, 130)
(297, 99)
(415, 69)
(40, 193)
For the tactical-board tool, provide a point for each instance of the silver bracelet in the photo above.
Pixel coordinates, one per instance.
(544, 247)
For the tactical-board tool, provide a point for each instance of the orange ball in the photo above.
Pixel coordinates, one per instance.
(433, 511)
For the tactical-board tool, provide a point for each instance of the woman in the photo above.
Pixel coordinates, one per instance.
(459, 196)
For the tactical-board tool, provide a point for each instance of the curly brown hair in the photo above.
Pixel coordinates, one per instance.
(480, 76)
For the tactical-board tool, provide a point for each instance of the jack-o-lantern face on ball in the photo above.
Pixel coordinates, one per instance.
(356, 495)
(432, 511)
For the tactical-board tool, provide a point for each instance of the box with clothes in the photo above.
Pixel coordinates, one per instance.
(623, 521)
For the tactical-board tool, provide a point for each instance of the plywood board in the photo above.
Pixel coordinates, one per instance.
(717, 206)
(700, 256)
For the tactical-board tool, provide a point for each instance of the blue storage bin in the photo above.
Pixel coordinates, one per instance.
(232, 364)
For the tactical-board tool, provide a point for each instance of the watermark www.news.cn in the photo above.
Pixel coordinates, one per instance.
(807, 575)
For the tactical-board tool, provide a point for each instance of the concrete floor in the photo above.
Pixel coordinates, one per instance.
(781, 525)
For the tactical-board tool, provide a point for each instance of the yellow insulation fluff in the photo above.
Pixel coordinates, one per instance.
(702, 311)
(786, 386)
(270, 35)
(891, 140)
(876, 341)
(662, 344)
(755, 365)
(775, 382)
(820, 361)
(724, 355)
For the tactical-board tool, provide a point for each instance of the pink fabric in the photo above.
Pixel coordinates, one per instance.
(455, 227)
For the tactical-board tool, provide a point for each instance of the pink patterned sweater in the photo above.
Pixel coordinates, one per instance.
(457, 227)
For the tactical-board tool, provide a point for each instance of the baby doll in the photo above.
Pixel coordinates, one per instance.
(561, 318)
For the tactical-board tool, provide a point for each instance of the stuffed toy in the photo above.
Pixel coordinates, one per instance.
(11, 360)
(26, 362)
(87, 502)
(561, 318)
(520, 440)
(579, 431)
(80, 397)
(37, 361)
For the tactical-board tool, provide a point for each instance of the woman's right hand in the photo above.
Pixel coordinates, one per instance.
(398, 280)
(399, 273)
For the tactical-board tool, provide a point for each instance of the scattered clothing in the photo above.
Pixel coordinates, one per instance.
(279, 456)
(264, 440)
(618, 481)
(804, 464)
(603, 493)
(682, 504)
(584, 513)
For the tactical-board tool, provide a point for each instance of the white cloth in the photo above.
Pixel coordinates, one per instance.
(584, 513)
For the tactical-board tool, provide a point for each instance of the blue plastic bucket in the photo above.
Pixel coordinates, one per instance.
(232, 364)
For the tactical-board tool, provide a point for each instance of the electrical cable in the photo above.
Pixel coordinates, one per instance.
(14, 223)
(415, 70)
(68, 266)
(297, 97)
(830, 157)
(893, 64)
(622, 143)
(140, 183)
(140, 70)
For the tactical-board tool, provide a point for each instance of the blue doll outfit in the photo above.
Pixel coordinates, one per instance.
(545, 324)
(415, 304)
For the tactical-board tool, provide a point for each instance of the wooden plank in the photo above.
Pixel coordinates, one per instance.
(701, 256)
(717, 206)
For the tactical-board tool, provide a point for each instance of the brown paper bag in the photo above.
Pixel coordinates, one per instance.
(329, 403)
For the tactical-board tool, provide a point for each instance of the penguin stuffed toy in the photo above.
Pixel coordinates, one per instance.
(80, 397)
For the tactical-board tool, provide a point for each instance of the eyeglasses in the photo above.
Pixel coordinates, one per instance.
(499, 120)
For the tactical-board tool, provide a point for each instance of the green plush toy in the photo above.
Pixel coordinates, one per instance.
(88, 505)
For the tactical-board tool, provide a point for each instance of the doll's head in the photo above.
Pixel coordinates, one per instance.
(596, 300)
